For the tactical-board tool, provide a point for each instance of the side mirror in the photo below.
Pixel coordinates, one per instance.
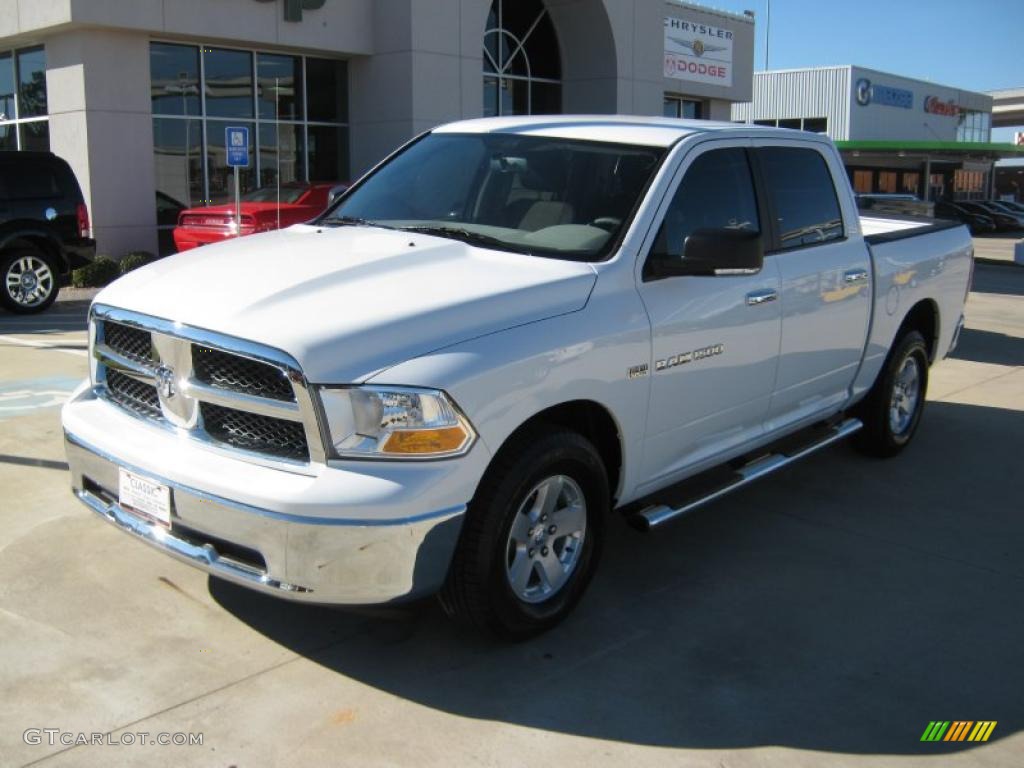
(335, 193)
(721, 252)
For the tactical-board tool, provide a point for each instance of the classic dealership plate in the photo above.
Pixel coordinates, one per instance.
(145, 497)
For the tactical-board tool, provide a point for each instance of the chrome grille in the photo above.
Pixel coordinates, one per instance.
(253, 432)
(231, 394)
(239, 374)
(136, 396)
(133, 343)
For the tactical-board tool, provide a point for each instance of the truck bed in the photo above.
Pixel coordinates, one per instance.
(880, 228)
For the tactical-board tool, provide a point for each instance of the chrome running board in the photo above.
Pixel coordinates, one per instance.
(657, 514)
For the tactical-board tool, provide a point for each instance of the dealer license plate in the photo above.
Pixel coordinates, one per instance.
(145, 498)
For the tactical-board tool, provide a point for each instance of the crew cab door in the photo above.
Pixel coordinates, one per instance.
(715, 339)
(826, 280)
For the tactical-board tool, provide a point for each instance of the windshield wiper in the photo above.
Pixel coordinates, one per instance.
(466, 235)
(351, 221)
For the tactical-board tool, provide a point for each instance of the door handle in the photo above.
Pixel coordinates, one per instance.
(855, 276)
(762, 297)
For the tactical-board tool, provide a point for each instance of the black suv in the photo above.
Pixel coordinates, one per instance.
(44, 229)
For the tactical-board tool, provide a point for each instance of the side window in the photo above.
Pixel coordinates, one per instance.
(801, 188)
(35, 181)
(717, 192)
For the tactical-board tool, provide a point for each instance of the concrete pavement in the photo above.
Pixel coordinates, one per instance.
(823, 616)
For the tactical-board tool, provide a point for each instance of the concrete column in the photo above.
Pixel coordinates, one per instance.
(98, 94)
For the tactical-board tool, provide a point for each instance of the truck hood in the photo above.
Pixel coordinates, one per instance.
(349, 302)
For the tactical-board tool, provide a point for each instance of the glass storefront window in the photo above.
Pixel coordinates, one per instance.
(31, 83)
(279, 84)
(178, 154)
(522, 69)
(7, 87)
(24, 122)
(863, 182)
(292, 151)
(327, 90)
(887, 182)
(328, 151)
(174, 79)
(35, 136)
(911, 181)
(192, 105)
(228, 86)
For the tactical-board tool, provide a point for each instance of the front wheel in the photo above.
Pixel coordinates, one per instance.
(29, 281)
(532, 535)
(893, 408)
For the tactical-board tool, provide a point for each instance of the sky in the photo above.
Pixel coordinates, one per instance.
(977, 45)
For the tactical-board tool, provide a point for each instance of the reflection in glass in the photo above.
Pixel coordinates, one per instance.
(8, 137)
(35, 136)
(174, 79)
(31, 82)
(291, 153)
(327, 90)
(228, 82)
(7, 87)
(178, 159)
(220, 174)
(280, 77)
(328, 152)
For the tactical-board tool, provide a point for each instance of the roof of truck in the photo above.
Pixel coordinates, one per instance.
(619, 129)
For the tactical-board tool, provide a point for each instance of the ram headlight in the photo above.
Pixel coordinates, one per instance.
(394, 422)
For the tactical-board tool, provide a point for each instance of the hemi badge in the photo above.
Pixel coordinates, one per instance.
(636, 371)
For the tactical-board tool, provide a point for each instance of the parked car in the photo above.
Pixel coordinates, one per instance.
(260, 213)
(900, 204)
(44, 229)
(979, 224)
(506, 332)
(1008, 206)
(1004, 221)
(167, 211)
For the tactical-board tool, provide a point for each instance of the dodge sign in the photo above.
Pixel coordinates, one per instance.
(697, 52)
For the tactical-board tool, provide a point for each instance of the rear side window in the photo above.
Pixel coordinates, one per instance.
(32, 181)
(803, 195)
(717, 192)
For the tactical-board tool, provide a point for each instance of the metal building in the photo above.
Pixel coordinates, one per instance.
(896, 134)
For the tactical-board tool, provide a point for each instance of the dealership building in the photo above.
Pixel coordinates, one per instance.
(136, 94)
(897, 135)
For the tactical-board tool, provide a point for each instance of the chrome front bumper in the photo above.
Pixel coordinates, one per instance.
(304, 558)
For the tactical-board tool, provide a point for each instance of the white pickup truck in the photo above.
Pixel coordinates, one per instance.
(506, 332)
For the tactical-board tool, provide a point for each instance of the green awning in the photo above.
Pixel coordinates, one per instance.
(989, 149)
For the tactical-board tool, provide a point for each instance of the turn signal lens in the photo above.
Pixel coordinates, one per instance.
(423, 441)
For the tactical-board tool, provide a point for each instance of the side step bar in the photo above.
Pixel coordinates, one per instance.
(658, 514)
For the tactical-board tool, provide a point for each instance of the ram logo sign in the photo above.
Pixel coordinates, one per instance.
(293, 8)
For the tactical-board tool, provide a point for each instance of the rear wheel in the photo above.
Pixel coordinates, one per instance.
(532, 536)
(29, 281)
(892, 410)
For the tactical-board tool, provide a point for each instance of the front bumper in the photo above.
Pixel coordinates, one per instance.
(338, 536)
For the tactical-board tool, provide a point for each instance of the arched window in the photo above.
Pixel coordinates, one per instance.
(522, 67)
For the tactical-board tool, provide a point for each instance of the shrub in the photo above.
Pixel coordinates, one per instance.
(96, 274)
(136, 259)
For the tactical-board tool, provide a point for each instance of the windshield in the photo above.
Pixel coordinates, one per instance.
(545, 196)
(269, 195)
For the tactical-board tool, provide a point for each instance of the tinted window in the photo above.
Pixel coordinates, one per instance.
(716, 193)
(279, 86)
(327, 90)
(228, 83)
(800, 186)
(6, 87)
(32, 181)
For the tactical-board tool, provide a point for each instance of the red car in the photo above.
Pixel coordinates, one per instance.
(299, 203)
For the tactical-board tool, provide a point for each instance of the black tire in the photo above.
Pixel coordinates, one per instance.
(12, 264)
(880, 436)
(478, 589)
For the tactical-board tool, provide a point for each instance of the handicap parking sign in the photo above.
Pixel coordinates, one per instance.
(236, 139)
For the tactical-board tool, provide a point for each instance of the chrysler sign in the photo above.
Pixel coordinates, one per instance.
(698, 52)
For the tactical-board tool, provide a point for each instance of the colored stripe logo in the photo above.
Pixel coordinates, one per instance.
(958, 730)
